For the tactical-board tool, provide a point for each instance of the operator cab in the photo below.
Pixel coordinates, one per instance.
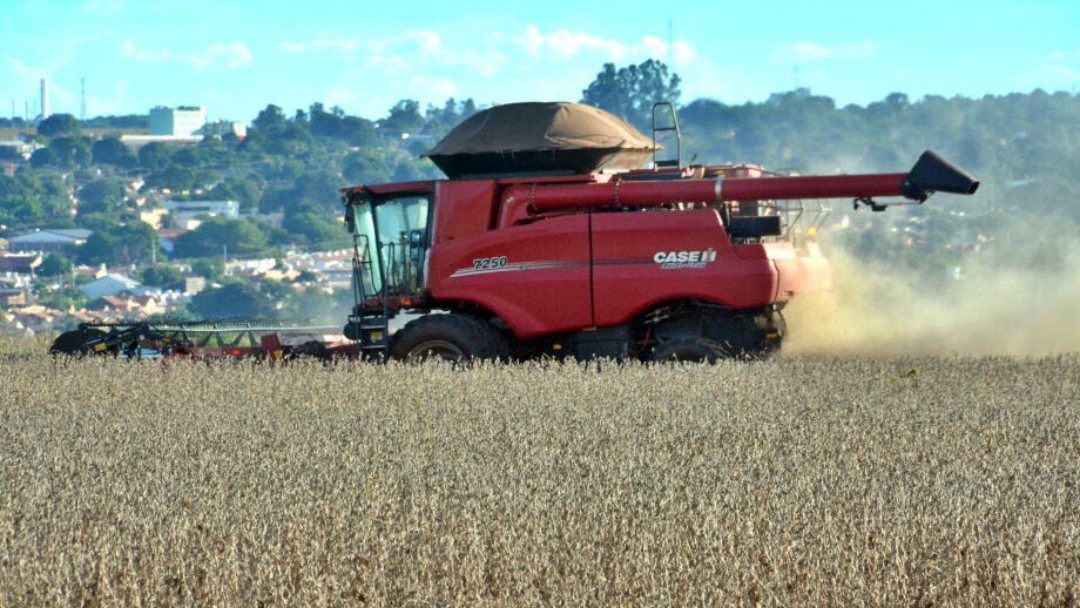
(391, 228)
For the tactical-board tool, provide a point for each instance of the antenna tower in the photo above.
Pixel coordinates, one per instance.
(82, 114)
(671, 39)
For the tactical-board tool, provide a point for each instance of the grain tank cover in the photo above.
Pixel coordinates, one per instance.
(547, 138)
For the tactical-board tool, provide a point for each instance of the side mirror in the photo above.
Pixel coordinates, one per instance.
(350, 219)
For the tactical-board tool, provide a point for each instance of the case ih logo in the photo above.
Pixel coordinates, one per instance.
(679, 260)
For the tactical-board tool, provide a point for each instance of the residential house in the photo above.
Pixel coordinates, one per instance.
(110, 285)
(19, 264)
(62, 241)
(127, 306)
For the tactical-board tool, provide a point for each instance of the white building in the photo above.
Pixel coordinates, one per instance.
(182, 121)
(53, 240)
(220, 128)
(189, 210)
(110, 285)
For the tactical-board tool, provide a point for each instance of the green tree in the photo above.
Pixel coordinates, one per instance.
(244, 190)
(155, 156)
(112, 151)
(242, 237)
(162, 275)
(366, 166)
(53, 192)
(208, 268)
(404, 118)
(235, 300)
(44, 157)
(318, 230)
(321, 187)
(102, 196)
(31, 197)
(10, 153)
(190, 157)
(59, 124)
(20, 200)
(271, 121)
(54, 265)
(630, 92)
(126, 244)
(72, 151)
(175, 178)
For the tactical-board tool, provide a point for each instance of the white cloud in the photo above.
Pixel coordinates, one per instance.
(858, 50)
(1072, 55)
(338, 97)
(486, 63)
(653, 46)
(98, 106)
(234, 56)
(800, 52)
(1059, 71)
(20, 68)
(104, 6)
(340, 45)
(344, 46)
(565, 44)
(803, 51)
(144, 55)
(418, 50)
(421, 42)
(683, 53)
(434, 88)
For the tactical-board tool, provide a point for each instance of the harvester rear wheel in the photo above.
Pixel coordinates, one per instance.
(452, 337)
(690, 348)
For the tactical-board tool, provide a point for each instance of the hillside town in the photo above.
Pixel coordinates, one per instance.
(29, 304)
(48, 283)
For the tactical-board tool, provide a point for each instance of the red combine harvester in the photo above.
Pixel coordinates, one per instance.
(549, 239)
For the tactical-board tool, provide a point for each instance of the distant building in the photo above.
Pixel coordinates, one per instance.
(50, 241)
(24, 264)
(137, 141)
(12, 296)
(220, 128)
(127, 306)
(19, 148)
(193, 285)
(183, 121)
(110, 285)
(167, 237)
(189, 210)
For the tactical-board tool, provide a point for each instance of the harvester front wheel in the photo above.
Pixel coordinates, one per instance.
(451, 337)
(74, 342)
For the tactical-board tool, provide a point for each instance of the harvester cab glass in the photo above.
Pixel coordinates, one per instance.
(392, 236)
(401, 224)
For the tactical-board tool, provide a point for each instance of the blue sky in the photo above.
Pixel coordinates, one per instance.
(237, 57)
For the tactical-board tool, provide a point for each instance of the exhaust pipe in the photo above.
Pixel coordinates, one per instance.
(932, 173)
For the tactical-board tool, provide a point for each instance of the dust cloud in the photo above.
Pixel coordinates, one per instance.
(871, 311)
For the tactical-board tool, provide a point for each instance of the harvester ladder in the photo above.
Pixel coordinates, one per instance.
(374, 327)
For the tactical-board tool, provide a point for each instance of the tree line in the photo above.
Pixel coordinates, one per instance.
(1022, 145)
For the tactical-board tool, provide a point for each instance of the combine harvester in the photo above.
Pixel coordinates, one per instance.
(550, 239)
